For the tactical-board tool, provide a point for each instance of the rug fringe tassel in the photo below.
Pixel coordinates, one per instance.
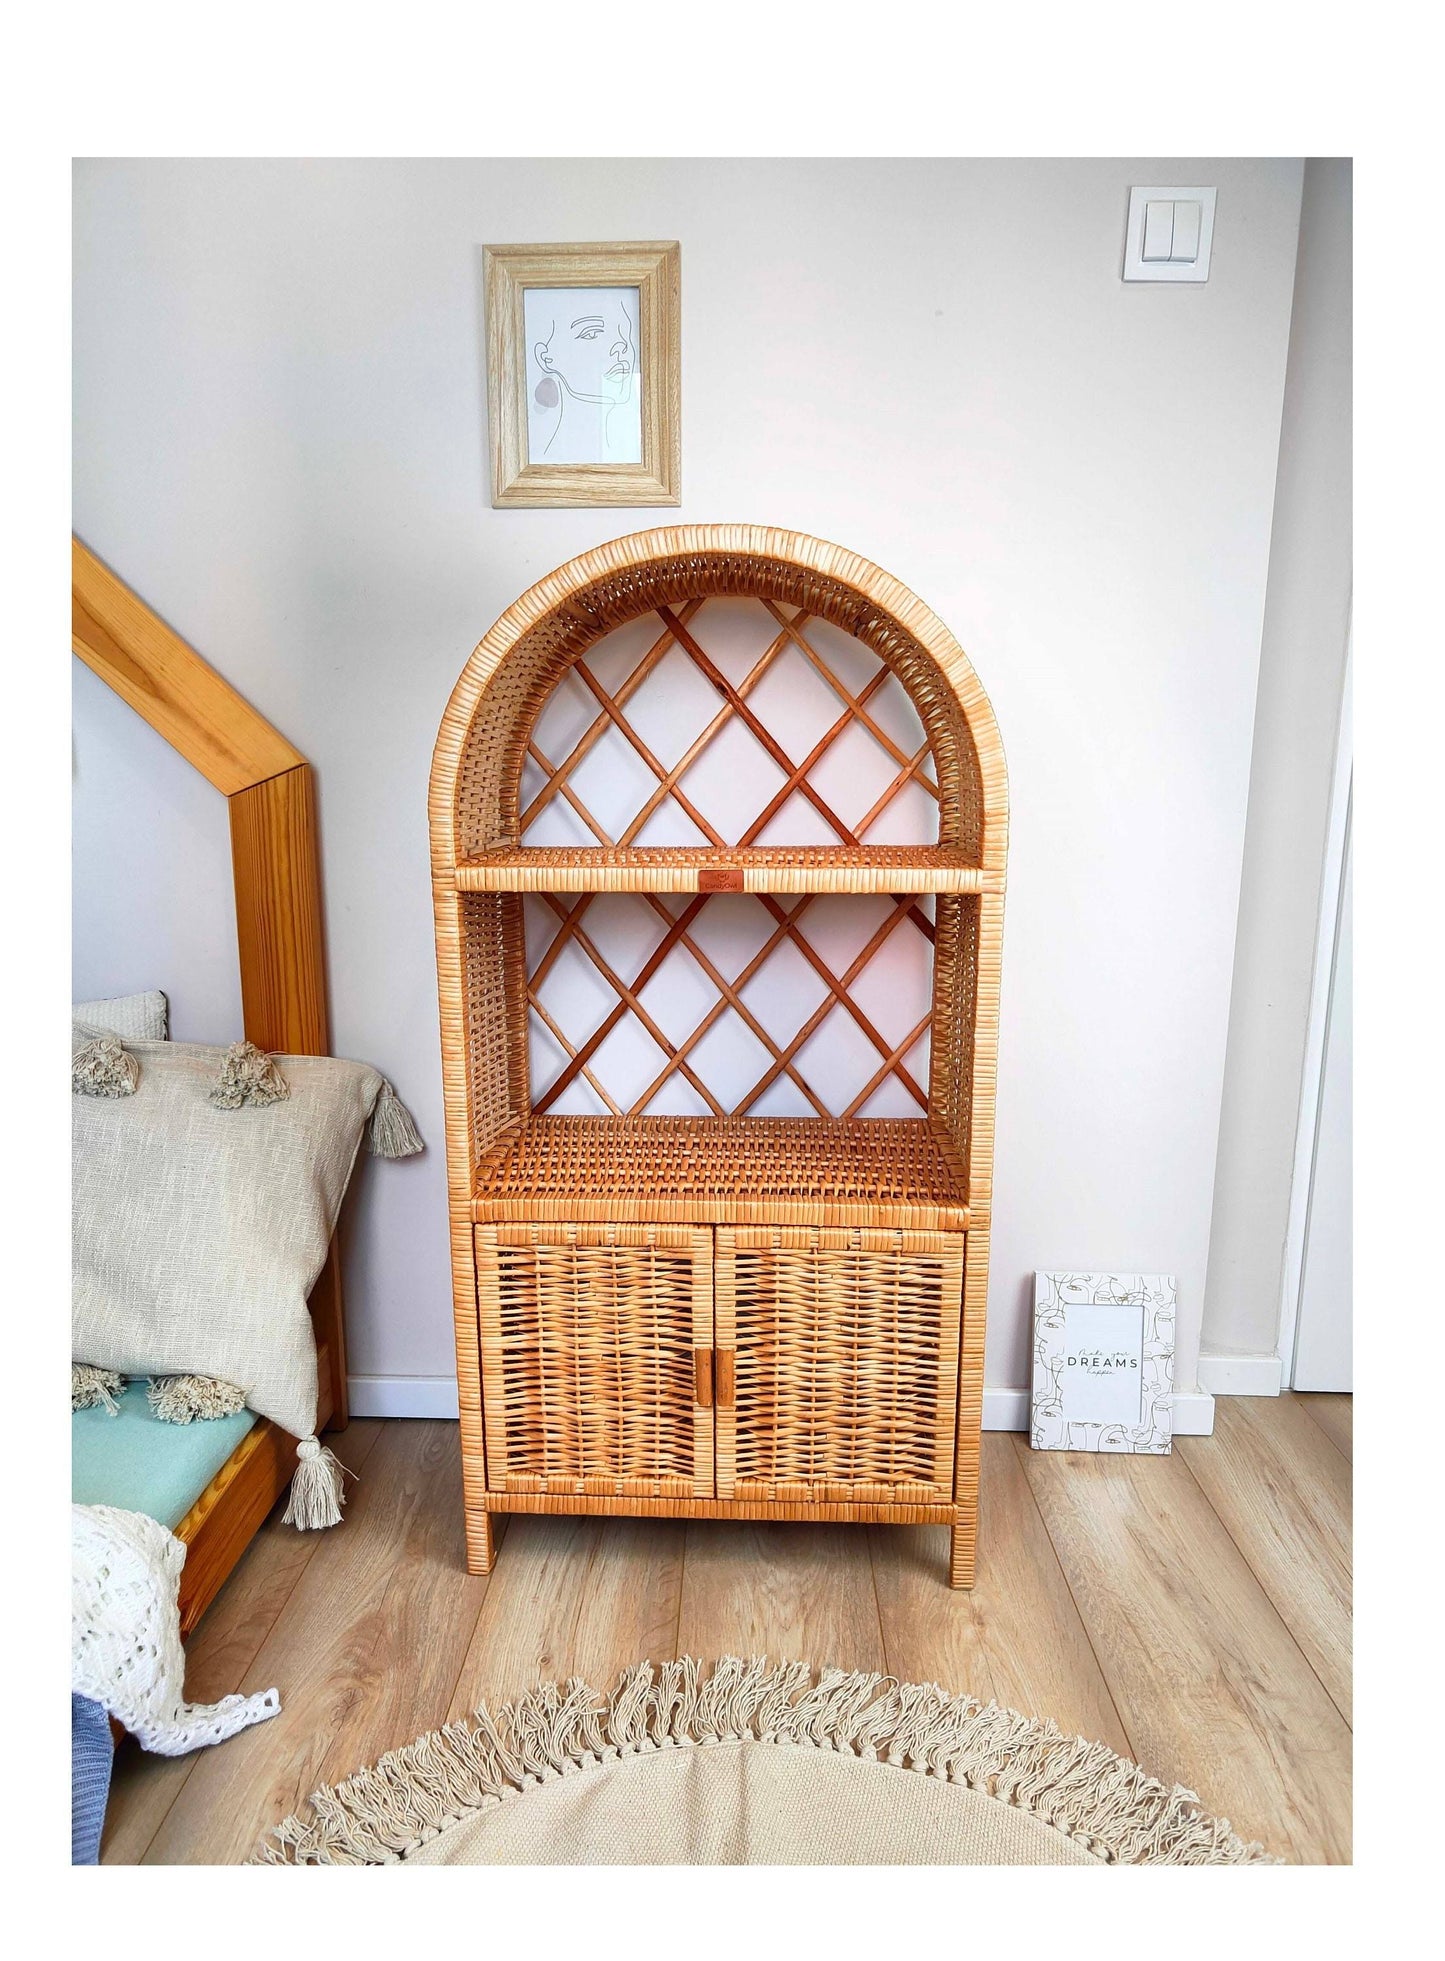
(1084, 1790)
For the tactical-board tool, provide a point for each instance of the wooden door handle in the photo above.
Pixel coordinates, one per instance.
(724, 1361)
(702, 1375)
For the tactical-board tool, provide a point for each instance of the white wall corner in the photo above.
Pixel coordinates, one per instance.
(1241, 1375)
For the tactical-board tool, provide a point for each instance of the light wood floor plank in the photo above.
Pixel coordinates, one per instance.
(540, 1574)
(632, 1604)
(142, 1790)
(1112, 1596)
(1207, 1679)
(366, 1655)
(791, 1592)
(573, 1596)
(1335, 1416)
(1016, 1638)
(247, 1608)
(218, 1655)
(1282, 1490)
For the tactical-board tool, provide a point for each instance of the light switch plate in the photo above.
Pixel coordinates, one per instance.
(1136, 266)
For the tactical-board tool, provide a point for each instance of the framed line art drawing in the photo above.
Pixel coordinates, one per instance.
(583, 374)
(1104, 1362)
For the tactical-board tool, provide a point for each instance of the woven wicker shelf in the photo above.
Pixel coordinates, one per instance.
(748, 1170)
(719, 1314)
(622, 868)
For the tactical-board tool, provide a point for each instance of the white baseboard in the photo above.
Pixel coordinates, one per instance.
(1008, 1409)
(436, 1395)
(1241, 1375)
(403, 1395)
(1194, 1413)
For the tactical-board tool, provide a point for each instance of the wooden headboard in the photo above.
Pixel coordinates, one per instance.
(275, 864)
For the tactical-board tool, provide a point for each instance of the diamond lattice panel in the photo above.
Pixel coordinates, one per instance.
(652, 1004)
(729, 722)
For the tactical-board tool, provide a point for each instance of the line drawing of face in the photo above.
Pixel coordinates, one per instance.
(585, 349)
(592, 355)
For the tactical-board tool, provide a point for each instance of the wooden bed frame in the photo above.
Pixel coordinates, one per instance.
(276, 867)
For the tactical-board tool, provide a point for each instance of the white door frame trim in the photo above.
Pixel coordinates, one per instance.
(1321, 985)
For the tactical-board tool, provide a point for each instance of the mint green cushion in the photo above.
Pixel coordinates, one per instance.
(142, 1465)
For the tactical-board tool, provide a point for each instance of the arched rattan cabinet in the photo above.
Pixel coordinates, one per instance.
(718, 1314)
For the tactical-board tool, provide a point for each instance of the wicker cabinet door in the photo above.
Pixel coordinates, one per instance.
(837, 1364)
(596, 1352)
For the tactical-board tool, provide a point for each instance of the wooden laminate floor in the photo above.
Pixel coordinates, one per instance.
(1192, 1611)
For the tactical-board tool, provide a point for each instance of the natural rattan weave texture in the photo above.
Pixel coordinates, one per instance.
(846, 1371)
(755, 868)
(588, 1338)
(725, 1313)
(488, 786)
(782, 1170)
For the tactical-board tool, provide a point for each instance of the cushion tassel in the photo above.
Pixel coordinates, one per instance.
(248, 1075)
(393, 1133)
(317, 1494)
(93, 1388)
(103, 1068)
(189, 1398)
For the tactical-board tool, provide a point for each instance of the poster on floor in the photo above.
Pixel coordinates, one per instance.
(1103, 1362)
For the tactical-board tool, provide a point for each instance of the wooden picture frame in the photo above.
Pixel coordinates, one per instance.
(653, 270)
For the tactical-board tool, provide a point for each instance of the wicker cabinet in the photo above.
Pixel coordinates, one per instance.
(706, 1265)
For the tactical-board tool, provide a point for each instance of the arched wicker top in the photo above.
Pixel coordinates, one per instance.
(477, 766)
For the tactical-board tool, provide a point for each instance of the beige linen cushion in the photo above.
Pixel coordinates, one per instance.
(134, 1017)
(199, 1232)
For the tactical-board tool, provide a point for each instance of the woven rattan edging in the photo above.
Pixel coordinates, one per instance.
(782, 1511)
(884, 868)
(590, 594)
(497, 1171)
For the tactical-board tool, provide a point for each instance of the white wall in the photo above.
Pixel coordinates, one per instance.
(1301, 682)
(279, 444)
(151, 896)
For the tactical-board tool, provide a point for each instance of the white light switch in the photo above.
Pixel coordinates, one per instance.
(1158, 231)
(1170, 232)
(1185, 249)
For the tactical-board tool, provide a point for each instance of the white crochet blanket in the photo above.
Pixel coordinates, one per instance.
(125, 1634)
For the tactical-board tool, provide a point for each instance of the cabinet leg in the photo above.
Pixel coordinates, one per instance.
(962, 1552)
(481, 1546)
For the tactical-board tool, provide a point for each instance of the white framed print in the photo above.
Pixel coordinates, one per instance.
(1104, 1362)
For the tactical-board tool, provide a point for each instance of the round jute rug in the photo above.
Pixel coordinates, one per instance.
(745, 1764)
